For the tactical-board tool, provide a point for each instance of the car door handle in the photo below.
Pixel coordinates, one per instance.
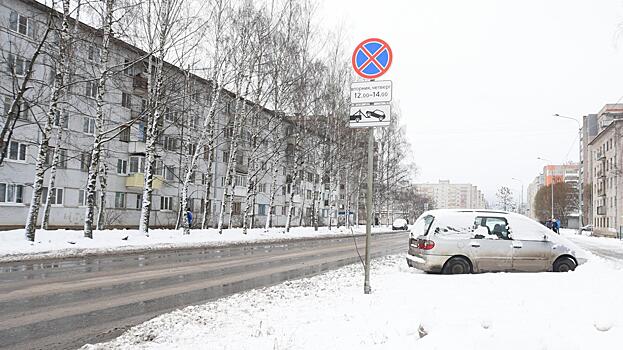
(475, 245)
(517, 246)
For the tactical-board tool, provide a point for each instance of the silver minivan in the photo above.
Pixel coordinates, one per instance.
(465, 241)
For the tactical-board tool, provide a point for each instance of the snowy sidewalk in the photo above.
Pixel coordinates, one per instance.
(71, 243)
(576, 310)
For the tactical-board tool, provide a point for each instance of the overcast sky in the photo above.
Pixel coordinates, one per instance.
(478, 81)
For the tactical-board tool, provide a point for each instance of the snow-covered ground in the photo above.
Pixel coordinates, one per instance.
(66, 243)
(407, 310)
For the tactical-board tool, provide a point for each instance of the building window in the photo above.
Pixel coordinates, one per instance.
(169, 172)
(137, 165)
(192, 148)
(22, 24)
(61, 118)
(119, 200)
(225, 156)
(241, 180)
(261, 188)
(17, 65)
(17, 151)
(82, 198)
(88, 125)
(128, 68)
(93, 54)
(122, 166)
(11, 193)
(223, 181)
(56, 198)
(261, 209)
(139, 201)
(124, 135)
(126, 100)
(158, 168)
(169, 115)
(166, 203)
(170, 143)
(236, 208)
(91, 89)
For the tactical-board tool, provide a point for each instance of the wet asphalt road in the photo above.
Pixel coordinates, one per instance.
(66, 303)
(610, 252)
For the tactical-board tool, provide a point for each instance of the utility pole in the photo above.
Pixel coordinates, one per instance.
(580, 168)
(520, 195)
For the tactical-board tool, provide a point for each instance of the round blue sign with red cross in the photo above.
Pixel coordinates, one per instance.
(372, 58)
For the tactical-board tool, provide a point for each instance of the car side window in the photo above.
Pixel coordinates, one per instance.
(486, 227)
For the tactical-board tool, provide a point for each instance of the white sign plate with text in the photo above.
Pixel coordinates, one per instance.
(371, 91)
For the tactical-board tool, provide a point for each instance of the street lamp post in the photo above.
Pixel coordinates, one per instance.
(520, 195)
(551, 185)
(580, 168)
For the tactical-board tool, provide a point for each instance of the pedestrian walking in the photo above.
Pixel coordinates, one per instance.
(555, 226)
(189, 216)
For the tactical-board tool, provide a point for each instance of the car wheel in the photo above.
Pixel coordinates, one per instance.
(457, 265)
(564, 264)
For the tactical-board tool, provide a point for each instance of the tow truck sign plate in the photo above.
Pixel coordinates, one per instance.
(369, 116)
(371, 91)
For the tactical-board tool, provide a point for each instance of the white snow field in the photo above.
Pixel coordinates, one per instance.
(71, 243)
(407, 310)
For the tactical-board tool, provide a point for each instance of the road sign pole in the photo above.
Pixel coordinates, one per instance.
(371, 59)
(366, 284)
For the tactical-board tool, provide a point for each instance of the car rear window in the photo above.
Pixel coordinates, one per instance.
(454, 225)
(422, 225)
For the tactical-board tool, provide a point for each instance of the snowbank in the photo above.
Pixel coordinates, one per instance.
(71, 243)
(407, 310)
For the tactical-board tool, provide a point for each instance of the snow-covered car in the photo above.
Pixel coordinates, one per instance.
(465, 241)
(587, 228)
(400, 224)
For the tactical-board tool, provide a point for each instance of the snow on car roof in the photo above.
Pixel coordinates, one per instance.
(447, 211)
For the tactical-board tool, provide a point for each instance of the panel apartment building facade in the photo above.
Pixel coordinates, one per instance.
(603, 157)
(453, 196)
(21, 22)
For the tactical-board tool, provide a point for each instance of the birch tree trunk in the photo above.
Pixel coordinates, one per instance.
(33, 211)
(155, 118)
(51, 182)
(273, 190)
(103, 176)
(99, 119)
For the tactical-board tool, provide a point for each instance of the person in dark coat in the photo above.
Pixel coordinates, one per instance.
(189, 216)
(555, 226)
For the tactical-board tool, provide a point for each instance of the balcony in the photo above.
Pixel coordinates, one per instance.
(138, 82)
(136, 147)
(242, 168)
(240, 191)
(138, 180)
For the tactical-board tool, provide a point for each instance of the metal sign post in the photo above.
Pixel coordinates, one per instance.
(370, 108)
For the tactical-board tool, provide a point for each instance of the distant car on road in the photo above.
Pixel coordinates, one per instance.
(466, 241)
(587, 228)
(400, 224)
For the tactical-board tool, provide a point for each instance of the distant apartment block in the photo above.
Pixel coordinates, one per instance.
(453, 196)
